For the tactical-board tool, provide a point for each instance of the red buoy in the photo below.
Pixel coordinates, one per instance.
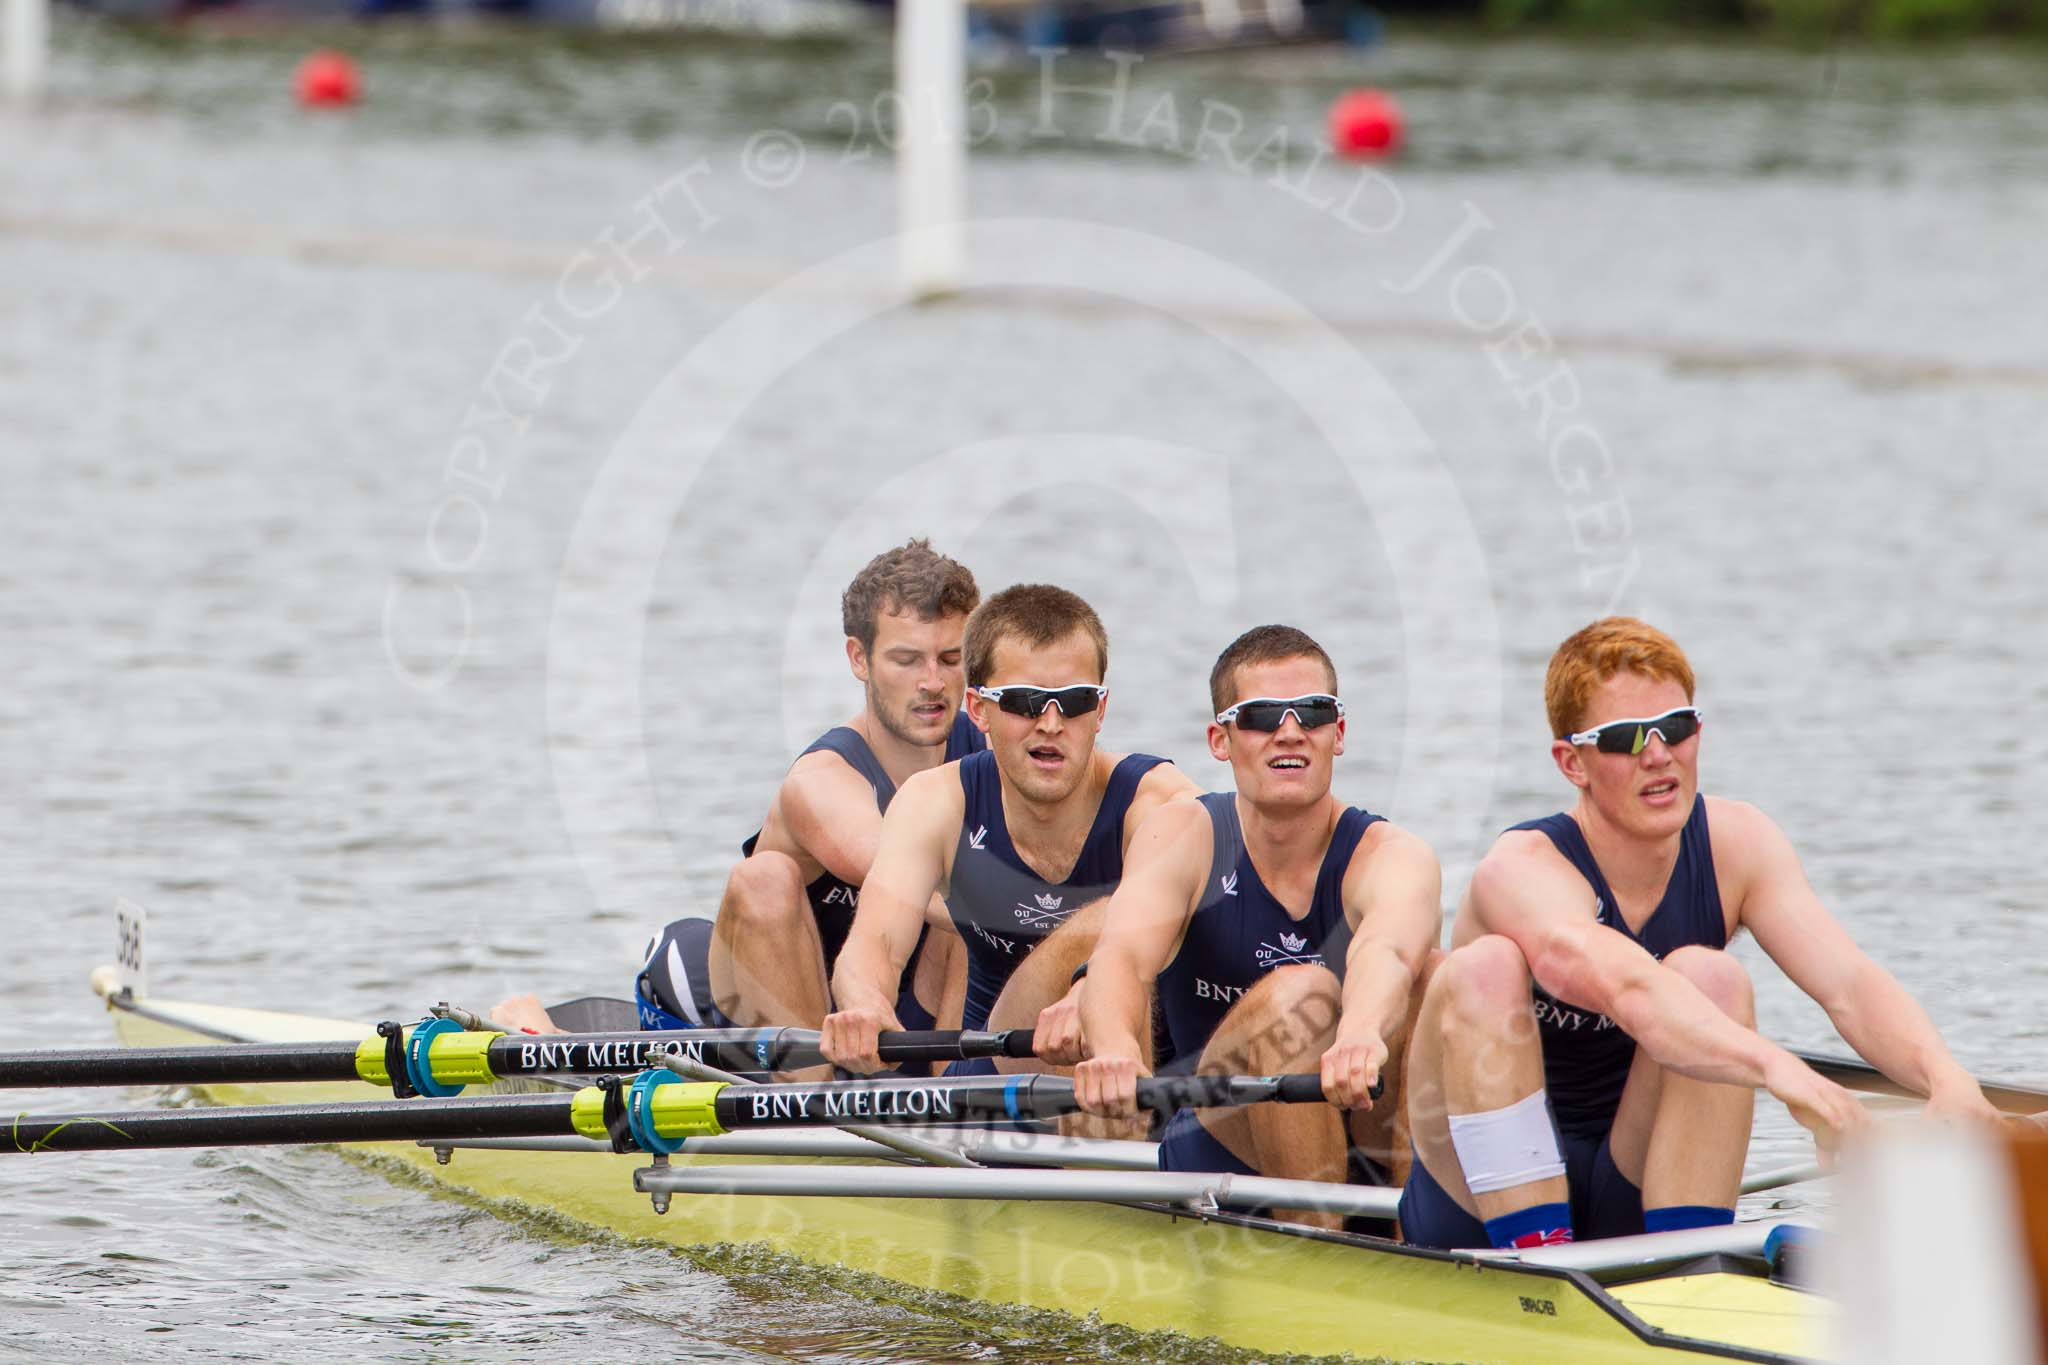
(1365, 123)
(327, 79)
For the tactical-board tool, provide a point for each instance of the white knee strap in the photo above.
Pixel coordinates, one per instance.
(1503, 1148)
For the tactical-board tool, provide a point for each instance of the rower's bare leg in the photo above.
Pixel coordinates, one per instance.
(1680, 1140)
(1284, 1023)
(1381, 1133)
(1475, 1049)
(767, 963)
(941, 981)
(523, 1013)
(1044, 976)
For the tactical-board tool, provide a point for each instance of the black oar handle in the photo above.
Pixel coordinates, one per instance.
(1202, 1092)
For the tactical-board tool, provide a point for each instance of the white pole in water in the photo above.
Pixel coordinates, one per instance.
(931, 144)
(27, 47)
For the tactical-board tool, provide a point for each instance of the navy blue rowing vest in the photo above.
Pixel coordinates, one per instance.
(1002, 908)
(832, 900)
(1586, 1057)
(1240, 931)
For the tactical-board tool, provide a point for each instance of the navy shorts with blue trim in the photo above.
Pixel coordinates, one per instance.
(1603, 1201)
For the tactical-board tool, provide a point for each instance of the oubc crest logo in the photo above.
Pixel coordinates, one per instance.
(1293, 949)
(1045, 913)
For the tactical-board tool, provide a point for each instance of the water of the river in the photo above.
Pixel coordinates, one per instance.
(1747, 340)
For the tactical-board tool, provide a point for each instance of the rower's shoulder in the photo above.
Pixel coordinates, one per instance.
(822, 780)
(1726, 814)
(1745, 841)
(1518, 860)
(1174, 819)
(1384, 838)
(935, 790)
(1163, 781)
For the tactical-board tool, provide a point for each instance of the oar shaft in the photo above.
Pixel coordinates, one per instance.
(364, 1121)
(668, 1110)
(219, 1064)
(1859, 1075)
(474, 1058)
(993, 1100)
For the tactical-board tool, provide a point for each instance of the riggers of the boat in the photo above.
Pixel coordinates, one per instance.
(1203, 1272)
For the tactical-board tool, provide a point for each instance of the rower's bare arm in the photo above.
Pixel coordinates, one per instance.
(1165, 783)
(1393, 900)
(1528, 893)
(829, 811)
(1142, 929)
(1870, 1009)
(908, 869)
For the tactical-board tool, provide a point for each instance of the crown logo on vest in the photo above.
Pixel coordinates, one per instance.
(1293, 943)
(1047, 901)
(1229, 883)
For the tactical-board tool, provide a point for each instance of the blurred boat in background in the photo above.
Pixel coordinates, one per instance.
(997, 28)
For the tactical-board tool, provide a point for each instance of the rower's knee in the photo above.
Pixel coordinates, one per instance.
(1305, 994)
(1483, 984)
(1285, 1022)
(1720, 978)
(765, 891)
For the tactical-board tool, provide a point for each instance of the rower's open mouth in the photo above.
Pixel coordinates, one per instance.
(1289, 762)
(1046, 753)
(1657, 790)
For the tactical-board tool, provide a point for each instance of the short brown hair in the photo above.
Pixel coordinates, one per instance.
(911, 577)
(1615, 644)
(1263, 645)
(1036, 613)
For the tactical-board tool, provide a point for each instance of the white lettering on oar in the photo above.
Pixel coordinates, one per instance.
(788, 1105)
(897, 1102)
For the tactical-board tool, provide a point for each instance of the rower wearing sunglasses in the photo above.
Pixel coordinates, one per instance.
(1023, 841)
(1627, 1107)
(1281, 930)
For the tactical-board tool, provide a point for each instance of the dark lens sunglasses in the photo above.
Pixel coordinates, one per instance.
(1270, 713)
(1075, 699)
(1629, 736)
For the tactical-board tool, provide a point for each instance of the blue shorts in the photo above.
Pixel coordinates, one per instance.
(673, 989)
(971, 1066)
(1603, 1202)
(1188, 1146)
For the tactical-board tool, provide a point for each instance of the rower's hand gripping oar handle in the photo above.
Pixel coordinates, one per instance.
(1168, 1093)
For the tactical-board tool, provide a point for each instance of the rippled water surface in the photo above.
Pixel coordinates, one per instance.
(363, 737)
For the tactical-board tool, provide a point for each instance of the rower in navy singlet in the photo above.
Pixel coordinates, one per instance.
(1628, 1109)
(1240, 931)
(1001, 907)
(1021, 842)
(1278, 929)
(1586, 1058)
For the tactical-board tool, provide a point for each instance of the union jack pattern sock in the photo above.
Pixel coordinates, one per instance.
(1539, 1225)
